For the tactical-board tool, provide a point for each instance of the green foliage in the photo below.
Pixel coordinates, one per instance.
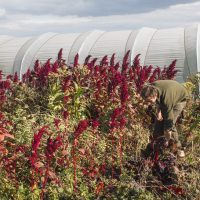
(55, 156)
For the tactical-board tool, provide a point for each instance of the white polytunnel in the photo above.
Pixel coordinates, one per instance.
(158, 47)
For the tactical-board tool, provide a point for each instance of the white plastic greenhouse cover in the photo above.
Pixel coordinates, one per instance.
(158, 47)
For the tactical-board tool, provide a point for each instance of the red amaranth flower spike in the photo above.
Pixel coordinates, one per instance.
(117, 66)
(82, 126)
(125, 63)
(95, 124)
(123, 122)
(35, 144)
(47, 68)
(87, 60)
(6, 85)
(66, 82)
(57, 122)
(55, 67)
(66, 99)
(96, 70)
(76, 60)
(104, 61)
(136, 62)
(65, 114)
(15, 78)
(26, 76)
(1, 74)
(36, 66)
(92, 63)
(9, 77)
(170, 70)
(112, 60)
(52, 146)
(116, 113)
(124, 92)
(60, 54)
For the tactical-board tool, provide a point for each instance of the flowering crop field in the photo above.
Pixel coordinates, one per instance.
(82, 132)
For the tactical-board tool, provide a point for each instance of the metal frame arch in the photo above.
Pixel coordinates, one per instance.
(88, 43)
(166, 46)
(51, 48)
(191, 56)
(32, 50)
(9, 50)
(20, 55)
(109, 43)
(142, 42)
(76, 46)
(130, 43)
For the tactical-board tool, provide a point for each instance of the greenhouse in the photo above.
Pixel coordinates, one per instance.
(158, 47)
(92, 129)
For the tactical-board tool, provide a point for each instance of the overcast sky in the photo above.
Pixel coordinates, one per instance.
(34, 17)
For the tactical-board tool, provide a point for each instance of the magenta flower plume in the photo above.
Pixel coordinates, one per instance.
(125, 62)
(52, 146)
(55, 67)
(66, 82)
(95, 124)
(123, 122)
(117, 66)
(124, 92)
(47, 67)
(35, 144)
(76, 60)
(170, 70)
(36, 66)
(65, 114)
(26, 76)
(96, 70)
(116, 113)
(15, 78)
(1, 74)
(112, 60)
(104, 61)
(60, 54)
(92, 63)
(136, 61)
(82, 126)
(57, 122)
(66, 99)
(6, 85)
(9, 77)
(87, 59)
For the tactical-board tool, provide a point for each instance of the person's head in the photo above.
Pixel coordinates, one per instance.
(149, 94)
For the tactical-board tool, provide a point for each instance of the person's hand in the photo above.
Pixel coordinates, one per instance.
(168, 135)
(159, 116)
(166, 143)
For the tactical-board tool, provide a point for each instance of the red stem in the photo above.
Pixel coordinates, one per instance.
(120, 151)
(112, 157)
(74, 164)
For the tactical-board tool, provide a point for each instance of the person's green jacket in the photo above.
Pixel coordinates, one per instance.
(170, 93)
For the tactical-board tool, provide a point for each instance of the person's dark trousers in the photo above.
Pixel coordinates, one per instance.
(159, 125)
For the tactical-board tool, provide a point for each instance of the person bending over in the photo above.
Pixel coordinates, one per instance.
(170, 98)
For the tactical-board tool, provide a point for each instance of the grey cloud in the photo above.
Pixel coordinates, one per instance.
(86, 7)
(24, 24)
